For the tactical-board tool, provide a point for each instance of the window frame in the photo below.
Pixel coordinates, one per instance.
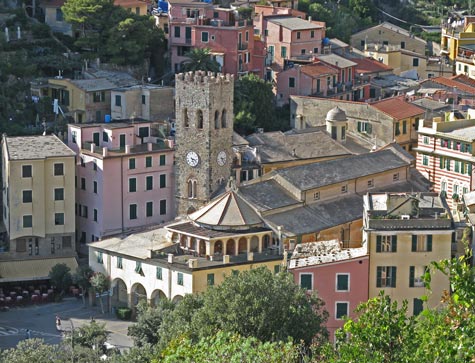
(180, 279)
(341, 317)
(59, 219)
(60, 170)
(149, 182)
(26, 193)
(342, 274)
(302, 274)
(133, 211)
(25, 218)
(58, 194)
(132, 185)
(132, 163)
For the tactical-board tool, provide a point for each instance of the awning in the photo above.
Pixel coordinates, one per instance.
(37, 269)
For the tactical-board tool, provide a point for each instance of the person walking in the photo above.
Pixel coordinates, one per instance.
(58, 323)
(28, 334)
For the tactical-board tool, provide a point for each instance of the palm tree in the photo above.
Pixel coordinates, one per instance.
(200, 60)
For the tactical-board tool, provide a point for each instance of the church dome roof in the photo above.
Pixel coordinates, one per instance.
(228, 211)
(336, 114)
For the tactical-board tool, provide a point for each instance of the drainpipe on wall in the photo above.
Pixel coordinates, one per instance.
(122, 192)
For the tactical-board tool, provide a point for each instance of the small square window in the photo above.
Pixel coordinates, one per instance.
(396, 177)
(58, 194)
(26, 171)
(344, 189)
(341, 310)
(58, 169)
(371, 183)
(27, 221)
(204, 37)
(316, 196)
(59, 219)
(27, 196)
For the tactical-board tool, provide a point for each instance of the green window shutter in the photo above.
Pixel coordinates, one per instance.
(276, 269)
(358, 126)
(469, 172)
(456, 166)
(162, 159)
(378, 277)
(447, 164)
(148, 162)
(418, 306)
(441, 142)
(411, 276)
(306, 281)
(159, 273)
(441, 160)
(210, 279)
(462, 147)
(429, 243)
(448, 144)
(393, 276)
(404, 127)
(378, 243)
(394, 244)
(414, 243)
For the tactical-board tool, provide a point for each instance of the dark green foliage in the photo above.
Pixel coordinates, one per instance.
(124, 313)
(200, 60)
(61, 278)
(92, 335)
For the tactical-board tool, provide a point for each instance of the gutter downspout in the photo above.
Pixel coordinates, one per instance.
(122, 192)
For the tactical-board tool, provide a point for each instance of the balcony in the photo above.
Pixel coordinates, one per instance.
(129, 149)
(243, 46)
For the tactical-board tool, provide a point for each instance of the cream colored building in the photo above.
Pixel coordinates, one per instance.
(38, 206)
(404, 233)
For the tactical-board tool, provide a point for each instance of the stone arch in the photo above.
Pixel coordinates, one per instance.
(202, 247)
(255, 244)
(138, 293)
(177, 298)
(192, 188)
(266, 241)
(186, 120)
(216, 120)
(224, 121)
(199, 120)
(230, 247)
(242, 245)
(183, 239)
(190, 210)
(157, 295)
(175, 237)
(218, 246)
(192, 244)
(119, 293)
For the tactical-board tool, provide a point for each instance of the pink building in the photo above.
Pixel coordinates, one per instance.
(445, 157)
(291, 39)
(124, 177)
(339, 276)
(230, 39)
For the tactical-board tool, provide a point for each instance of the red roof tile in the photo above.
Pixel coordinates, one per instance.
(370, 65)
(397, 108)
(450, 82)
(462, 78)
(318, 69)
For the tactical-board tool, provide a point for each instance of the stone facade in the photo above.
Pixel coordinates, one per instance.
(204, 129)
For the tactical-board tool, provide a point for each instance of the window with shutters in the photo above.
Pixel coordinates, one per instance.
(138, 268)
(148, 161)
(149, 182)
(425, 160)
(132, 163)
(100, 258)
(179, 279)
(386, 276)
(416, 276)
(306, 281)
(417, 306)
(341, 310)
(363, 127)
(210, 279)
(159, 273)
(133, 211)
(421, 243)
(342, 282)
(27, 196)
(386, 243)
(119, 262)
(163, 180)
(149, 209)
(132, 185)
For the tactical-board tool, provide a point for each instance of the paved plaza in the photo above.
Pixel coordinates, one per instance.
(40, 320)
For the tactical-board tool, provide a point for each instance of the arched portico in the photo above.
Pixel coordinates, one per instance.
(242, 245)
(119, 296)
(218, 247)
(137, 293)
(254, 247)
(157, 295)
(230, 247)
(177, 298)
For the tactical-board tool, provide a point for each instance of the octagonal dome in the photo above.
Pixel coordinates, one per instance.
(336, 114)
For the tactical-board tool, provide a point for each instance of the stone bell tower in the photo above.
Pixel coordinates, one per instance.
(204, 131)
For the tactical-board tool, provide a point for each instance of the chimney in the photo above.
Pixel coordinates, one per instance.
(92, 147)
(250, 256)
(170, 143)
(226, 259)
(170, 258)
(310, 19)
(149, 146)
(104, 152)
(192, 263)
(127, 149)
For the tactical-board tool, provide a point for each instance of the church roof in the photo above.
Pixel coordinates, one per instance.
(227, 211)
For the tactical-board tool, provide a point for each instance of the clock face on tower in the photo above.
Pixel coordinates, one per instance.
(192, 158)
(221, 159)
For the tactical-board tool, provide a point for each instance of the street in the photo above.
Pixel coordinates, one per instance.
(40, 320)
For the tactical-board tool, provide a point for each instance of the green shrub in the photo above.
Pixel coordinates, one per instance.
(40, 31)
(123, 313)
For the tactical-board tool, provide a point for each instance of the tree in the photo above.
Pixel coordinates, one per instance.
(149, 321)
(382, 333)
(82, 278)
(92, 335)
(101, 284)
(33, 350)
(60, 277)
(200, 60)
(253, 105)
(255, 303)
(228, 347)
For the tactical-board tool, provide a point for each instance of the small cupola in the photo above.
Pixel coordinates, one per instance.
(336, 124)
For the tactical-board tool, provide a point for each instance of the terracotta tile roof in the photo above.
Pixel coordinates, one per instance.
(318, 69)
(370, 65)
(462, 78)
(448, 82)
(52, 3)
(397, 108)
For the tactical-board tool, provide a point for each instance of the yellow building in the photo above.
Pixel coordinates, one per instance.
(456, 34)
(406, 232)
(38, 206)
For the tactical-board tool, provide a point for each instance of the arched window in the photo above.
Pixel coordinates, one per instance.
(216, 120)
(191, 188)
(223, 119)
(186, 120)
(199, 119)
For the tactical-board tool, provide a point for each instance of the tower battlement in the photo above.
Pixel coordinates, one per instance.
(203, 77)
